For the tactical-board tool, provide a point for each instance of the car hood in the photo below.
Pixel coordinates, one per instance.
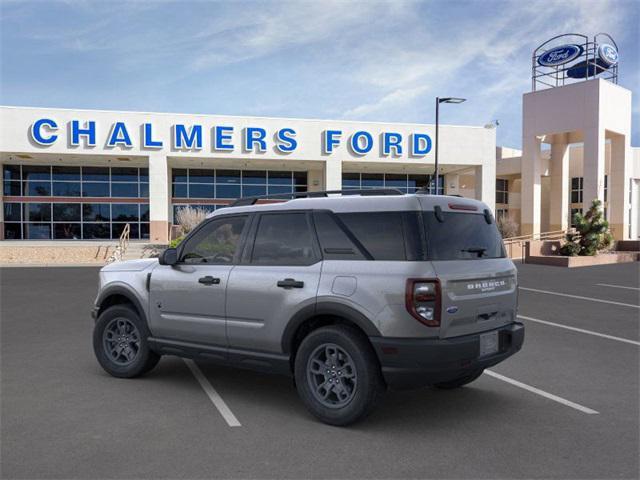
(130, 265)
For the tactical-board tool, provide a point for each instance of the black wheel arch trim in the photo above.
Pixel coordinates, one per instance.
(329, 309)
(125, 292)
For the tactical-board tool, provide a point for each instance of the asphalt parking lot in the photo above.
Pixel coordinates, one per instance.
(566, 406)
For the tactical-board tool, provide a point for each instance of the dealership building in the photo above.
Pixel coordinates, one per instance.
(85, 174)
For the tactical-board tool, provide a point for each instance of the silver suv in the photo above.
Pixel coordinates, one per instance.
(349, 292)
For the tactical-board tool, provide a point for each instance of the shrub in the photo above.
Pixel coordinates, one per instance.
(176, 241)
(592, 233)
(507, 226)
(189, 218)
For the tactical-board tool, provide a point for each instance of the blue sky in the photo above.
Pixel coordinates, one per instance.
(377, 61)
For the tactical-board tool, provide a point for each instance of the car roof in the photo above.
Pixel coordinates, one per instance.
(365, 203)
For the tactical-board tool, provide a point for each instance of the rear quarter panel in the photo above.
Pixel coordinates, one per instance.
(377, 290)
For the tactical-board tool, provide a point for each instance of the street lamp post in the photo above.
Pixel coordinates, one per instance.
(438, 102)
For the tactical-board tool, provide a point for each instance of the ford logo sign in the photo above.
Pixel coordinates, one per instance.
(560, 55)
(452, 309)
(608, 54)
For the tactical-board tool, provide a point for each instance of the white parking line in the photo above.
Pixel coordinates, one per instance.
(616, 286)
(542, 393)
(213, 395)
(579, 297)
(581, 330)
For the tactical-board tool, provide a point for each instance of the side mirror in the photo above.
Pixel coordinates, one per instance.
(169, 257)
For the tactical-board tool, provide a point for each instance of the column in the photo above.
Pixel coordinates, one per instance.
(618, 188)
(559, 204)
(451, 184)
(485, 184)
(159, 198)
(333, 174)
(531, 188)
(593, 167)
(315, 180)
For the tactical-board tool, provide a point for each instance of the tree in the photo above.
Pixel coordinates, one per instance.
(592, 233)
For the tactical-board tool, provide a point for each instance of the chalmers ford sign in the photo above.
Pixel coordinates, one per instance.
(222, 138)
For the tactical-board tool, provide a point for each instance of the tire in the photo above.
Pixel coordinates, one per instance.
(130, 358)
(340, 358)
(459, 382)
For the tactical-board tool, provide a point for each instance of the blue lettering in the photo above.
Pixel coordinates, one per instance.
(147, 138)
(186, 139)
(253, 136)
(356, 145)
(421, 144)
(36, 131)
(221, 137)
(329, 140)
(119, 136)
(391, 140)
(286, 141)
(89, 131)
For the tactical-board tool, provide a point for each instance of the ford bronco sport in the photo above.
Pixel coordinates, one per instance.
(350, 292)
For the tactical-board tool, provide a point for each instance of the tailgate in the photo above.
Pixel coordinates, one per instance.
(477, 295)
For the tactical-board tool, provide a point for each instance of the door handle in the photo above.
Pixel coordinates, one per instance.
(209, 280)
(290, 283)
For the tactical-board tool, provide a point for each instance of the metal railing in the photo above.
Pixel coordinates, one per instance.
(123, 244)
(515, 246)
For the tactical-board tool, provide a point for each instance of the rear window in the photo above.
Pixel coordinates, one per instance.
(461, 236)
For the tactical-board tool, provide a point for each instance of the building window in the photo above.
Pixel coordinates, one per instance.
(64, 212)
(502, 190)
(576, 190)
(606, 187)
(501, 213)
(400, 181)
(199, 184)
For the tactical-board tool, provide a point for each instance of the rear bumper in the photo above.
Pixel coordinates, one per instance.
(412, 363)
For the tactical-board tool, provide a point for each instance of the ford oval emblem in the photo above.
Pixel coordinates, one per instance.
(560, 55)
(452, 309)
(608, 54)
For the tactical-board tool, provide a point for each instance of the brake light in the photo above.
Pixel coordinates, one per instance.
(422, 298)
(462, 206)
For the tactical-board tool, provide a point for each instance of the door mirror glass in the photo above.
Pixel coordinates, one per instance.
(169, 257)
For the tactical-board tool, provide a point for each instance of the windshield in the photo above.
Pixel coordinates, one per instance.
(461, 236)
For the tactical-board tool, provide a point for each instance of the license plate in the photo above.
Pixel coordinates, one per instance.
(488, 343)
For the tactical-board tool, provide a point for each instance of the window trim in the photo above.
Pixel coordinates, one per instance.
(247, 256)
(207, 223)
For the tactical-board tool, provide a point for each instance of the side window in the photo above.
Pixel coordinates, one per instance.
(283, 239)
(335, 243)
(215, 243)
(381, 233)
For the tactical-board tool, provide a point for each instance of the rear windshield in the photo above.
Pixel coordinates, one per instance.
(461, 236)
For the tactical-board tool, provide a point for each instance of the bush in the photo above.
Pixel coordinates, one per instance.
(176, 241)
(592, 233)
(189, 218)
(507, 226)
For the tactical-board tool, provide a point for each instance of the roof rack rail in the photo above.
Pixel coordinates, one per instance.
(245, 201)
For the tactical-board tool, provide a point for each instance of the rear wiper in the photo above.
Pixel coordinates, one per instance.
(479, 250)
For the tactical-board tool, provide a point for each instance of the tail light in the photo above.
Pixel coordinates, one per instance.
(422, 300)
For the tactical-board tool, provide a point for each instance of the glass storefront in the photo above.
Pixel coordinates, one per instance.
(406, 183)
(114, 197)
(197, 184)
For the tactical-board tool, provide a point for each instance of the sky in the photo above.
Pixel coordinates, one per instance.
(345, 60)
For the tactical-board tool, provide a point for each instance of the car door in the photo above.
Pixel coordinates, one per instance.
(187, 300)
(278, 276)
